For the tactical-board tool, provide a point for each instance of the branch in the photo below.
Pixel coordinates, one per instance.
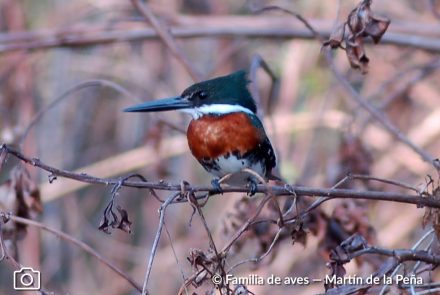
(401, 255)
(208, 26)
(276, 190)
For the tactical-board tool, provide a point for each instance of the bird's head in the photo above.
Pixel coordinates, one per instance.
(222, 95)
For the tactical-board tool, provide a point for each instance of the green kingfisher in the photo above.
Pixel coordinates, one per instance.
(225, 135)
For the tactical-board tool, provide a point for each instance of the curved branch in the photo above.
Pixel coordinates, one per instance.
(91, 83)
(166, 37)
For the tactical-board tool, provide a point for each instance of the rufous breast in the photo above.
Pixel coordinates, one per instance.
(212, 136)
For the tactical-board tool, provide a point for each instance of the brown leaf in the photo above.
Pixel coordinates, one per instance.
(359, 18)
(113, 219)
(19, 196)
(8, 197)
(197, 258)
(349, 218)
(361, 23)
(298, 234)
(203, 263)
(334, 234)
(341, 255)
(8, 204)
(354, 49)
(104, 225)
(376, 28)
(336, 269)
(124, 224)
(28, 194)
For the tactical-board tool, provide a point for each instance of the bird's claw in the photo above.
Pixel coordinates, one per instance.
(253, 186)
(216, 186)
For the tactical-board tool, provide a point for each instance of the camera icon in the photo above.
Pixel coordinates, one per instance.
(27, 279)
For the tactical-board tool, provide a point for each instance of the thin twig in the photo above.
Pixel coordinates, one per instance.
(74, 241)
(219, 257)
(235, 237)
(259, 258)
(175, 255)
(298, 16)
(246, 225)
(377, 114)
(424, 71)
(259, 62)
(389, 181)
(318, 202)
(401, 255)
(416, 266)
(4, 253)
(87, 84)
(269, 193)
(162, 208)
(166, 37)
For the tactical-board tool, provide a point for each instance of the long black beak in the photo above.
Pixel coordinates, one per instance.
(166, 104)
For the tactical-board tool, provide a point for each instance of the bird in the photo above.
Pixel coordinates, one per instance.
(225, 134)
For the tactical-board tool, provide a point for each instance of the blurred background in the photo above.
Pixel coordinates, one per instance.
(47, 47)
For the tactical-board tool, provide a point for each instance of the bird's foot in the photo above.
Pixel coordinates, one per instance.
(253, 186)
(216, 186)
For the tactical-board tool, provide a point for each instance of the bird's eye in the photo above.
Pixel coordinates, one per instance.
(202, 95)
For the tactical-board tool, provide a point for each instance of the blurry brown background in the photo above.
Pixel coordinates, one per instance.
(311, 124)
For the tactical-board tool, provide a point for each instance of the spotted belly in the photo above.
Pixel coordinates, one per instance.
(231, 164)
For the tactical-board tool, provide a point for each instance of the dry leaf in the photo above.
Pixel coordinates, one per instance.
(124, 224)
(377, 27)
(336, 269)
(298, 234)
(361, 23)
(113, 219)
(356, 54)
(19, 196)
